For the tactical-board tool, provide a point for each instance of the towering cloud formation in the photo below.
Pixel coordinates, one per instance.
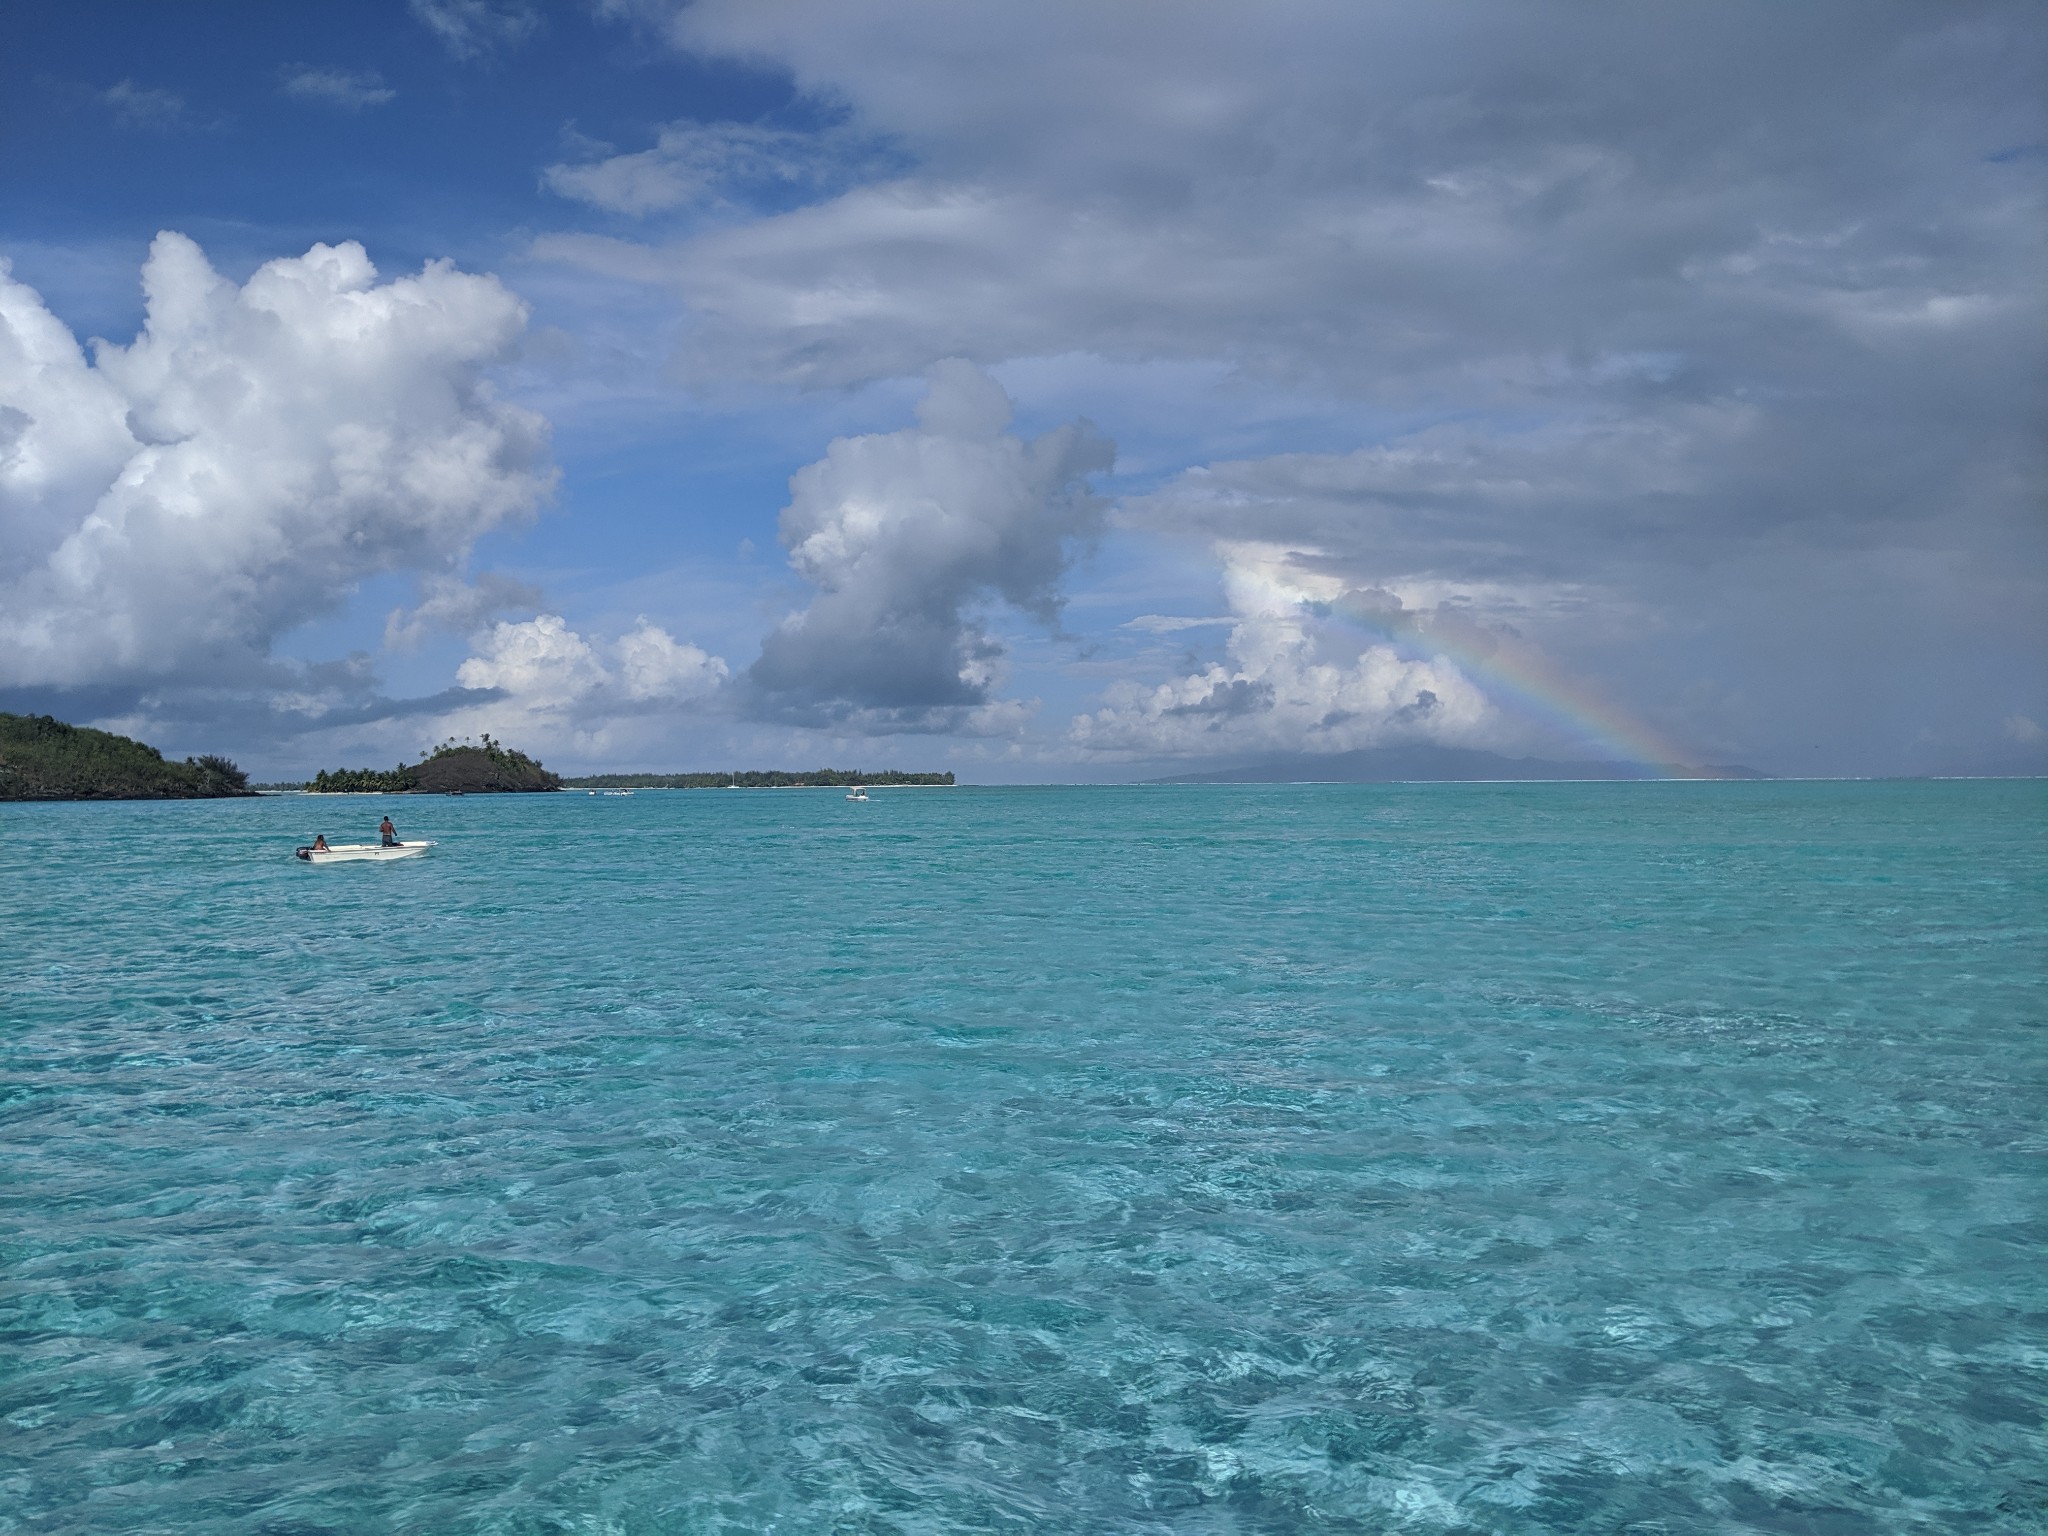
(170, 507)
(903, 533)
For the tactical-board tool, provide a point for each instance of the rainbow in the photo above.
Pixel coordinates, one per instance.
(1527, 680)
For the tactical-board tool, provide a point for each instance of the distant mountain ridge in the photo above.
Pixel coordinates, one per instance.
(1395, 765)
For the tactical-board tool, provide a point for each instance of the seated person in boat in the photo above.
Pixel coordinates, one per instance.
(388, 833)
(320, 842)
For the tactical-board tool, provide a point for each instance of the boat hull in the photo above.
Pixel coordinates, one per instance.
(361, 853)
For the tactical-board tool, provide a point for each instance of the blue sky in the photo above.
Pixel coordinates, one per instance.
(1071, 391)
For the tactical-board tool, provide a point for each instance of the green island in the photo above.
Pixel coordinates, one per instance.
(464, 768)
(453, 768)
(817, 778)
(42, 758)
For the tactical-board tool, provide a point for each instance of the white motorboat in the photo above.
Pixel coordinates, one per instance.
(859, 792)
(347, 853)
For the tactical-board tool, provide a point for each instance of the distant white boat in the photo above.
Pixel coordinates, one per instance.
(347, 853)
(859, 792)
(618, 794)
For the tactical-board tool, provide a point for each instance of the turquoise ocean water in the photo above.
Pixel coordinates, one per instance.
(1659, 1158)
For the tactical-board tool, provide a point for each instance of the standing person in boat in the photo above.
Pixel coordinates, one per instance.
(388, 833)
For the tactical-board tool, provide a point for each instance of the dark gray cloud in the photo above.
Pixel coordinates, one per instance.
(903, 533)
(1728, 317)
(1387, 196)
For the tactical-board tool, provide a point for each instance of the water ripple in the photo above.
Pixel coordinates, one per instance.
(1655, 1158)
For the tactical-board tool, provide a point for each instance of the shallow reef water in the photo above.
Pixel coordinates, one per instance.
(1652, 1158)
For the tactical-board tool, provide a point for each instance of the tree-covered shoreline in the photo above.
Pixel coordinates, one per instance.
(817, 778)
(464, 768)
(42, 758)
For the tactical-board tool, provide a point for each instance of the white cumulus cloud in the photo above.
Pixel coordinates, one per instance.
(905, 534)
(541, 663)
(1293, 682)
(169, 507)
(652, 664)
(566, 691)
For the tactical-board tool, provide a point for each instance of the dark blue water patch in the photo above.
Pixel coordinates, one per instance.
(1357, 1158)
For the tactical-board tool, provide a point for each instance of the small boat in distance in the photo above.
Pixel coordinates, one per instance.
(348, 853)
(858, 792)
